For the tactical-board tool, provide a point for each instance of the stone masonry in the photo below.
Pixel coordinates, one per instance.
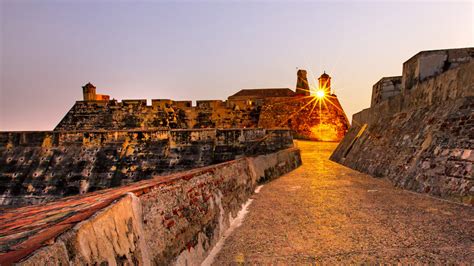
(160, 221)
(421, 139)
(248, 108)
(42, 166)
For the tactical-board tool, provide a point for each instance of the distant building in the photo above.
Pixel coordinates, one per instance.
(248, 108)
(89, 92)
(324, 82)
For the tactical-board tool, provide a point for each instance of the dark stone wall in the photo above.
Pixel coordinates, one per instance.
(167, 220)
(40, 166)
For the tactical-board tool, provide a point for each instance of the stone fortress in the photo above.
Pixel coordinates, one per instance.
(126, 183)
(419, 129)
(152, 184)
(248, 108)
(103, 143)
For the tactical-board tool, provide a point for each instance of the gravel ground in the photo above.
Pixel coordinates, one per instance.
(325, 212)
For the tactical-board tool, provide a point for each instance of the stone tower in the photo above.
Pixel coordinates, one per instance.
(89, 92)
(302, 86)
(324, 82)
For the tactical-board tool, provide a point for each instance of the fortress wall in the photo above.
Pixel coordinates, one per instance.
(135, 114)
(385, 88)
(253, 112)
(421, 140)
(42, 166)
(452, 84)
(306, 117)
(161, 221)
(428, 64)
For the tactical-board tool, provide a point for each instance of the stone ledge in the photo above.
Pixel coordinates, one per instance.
(183, 213)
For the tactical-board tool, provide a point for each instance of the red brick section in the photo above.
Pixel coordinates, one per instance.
(23, 230)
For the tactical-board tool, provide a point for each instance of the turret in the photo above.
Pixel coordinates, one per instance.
(302, 86)
(324, 82)
(89, 92)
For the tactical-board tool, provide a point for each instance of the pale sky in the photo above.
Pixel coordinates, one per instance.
(197, 50)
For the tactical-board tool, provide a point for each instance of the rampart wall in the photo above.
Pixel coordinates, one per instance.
(136, 114)
(421, 139)
(160, 221)
(450, 85)
(302, 114)
(307, 117)
(385, 88)
(41, 166)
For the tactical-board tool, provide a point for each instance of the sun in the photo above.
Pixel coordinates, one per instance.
(320, 94)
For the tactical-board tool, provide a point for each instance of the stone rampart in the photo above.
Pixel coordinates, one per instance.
(41, 166)
(136, 114)
(421, 139)
(308, 117)
(450, 85)
(160, 221)
(426, 64)
(248, 108)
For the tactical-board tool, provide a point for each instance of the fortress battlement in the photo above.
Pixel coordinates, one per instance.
(248, 108)
(429, 77)
(103, 143)
(419, 129)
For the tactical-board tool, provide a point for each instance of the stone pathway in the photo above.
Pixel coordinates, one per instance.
(325, 212)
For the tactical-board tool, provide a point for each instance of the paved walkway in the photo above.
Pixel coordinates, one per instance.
(324, 212)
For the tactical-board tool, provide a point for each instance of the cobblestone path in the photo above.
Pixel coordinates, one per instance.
(325, 212)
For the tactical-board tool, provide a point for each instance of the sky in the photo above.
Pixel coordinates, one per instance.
(199, 50)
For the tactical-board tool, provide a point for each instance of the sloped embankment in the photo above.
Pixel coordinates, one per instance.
(421, 139)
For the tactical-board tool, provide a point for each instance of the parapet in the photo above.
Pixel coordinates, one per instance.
(429, 77)
(134, 102)
(210, 104)
(426, 64)
(153, 221)
(421, 138)
(184, 104)
(385, 88)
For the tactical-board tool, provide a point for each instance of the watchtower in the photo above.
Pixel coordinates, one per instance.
(324, 82)
(302, 86)
(89, 92)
